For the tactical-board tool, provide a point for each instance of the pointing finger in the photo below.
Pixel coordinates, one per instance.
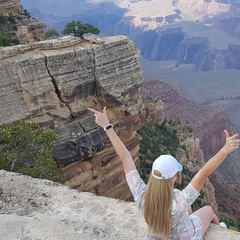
(92, 110)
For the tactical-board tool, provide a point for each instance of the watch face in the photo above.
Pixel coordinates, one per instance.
(108, 127)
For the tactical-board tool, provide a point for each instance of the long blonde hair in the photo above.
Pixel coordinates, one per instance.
(157, 205)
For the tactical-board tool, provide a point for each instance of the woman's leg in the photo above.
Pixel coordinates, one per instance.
(206, 215)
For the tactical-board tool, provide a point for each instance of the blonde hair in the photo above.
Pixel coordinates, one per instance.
(157, 205)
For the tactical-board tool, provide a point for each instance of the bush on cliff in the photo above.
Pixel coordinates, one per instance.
(51, 33)
(26, 148)
(78, 29)
(5, 38)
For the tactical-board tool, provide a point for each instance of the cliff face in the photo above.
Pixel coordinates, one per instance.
(53, 82)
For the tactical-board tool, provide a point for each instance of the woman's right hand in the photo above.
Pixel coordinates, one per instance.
(232, 143)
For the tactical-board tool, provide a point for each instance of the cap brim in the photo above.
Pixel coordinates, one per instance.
(180, 167)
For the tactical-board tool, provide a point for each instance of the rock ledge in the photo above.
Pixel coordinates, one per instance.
(41, 209)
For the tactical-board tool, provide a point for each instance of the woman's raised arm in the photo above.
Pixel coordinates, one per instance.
(102, 120)
(232, 143)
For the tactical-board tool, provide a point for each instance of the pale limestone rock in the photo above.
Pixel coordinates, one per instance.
(93, 39)
(62, 42)
(40, 210)
(7, 52)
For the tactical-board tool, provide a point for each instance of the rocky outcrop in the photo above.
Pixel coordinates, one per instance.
(40, 209)
(30, 30)
(53, 82)
(19, 24)
(10, 7)
(193, 159)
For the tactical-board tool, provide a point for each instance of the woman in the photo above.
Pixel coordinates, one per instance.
(167, 210)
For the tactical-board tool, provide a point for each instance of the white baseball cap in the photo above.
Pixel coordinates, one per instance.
(167, 165)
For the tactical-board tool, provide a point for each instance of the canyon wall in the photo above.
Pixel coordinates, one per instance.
(178, 44)
(208, 122)
(203, 33)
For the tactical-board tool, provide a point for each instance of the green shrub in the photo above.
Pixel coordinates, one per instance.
(51, 33)
(5, 38)
(156, 139)
(78, 29)
(26, 148)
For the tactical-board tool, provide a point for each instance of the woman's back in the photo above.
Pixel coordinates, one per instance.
(182, 226)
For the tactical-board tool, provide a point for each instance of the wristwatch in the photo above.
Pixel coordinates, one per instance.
(108, 127)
